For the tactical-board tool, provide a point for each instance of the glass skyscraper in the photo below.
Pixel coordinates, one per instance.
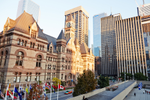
(109, 62)
(97, 33)
(30, 7)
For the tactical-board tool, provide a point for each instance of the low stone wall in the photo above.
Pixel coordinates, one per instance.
(80, 97)
(123, 94)
(144, 82)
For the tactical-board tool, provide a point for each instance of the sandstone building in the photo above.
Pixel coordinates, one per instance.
(29, 55)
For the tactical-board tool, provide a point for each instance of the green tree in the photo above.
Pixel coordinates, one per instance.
(36, 92)
(86, 83)
(140, 76)
(56, 81)
(103, 81)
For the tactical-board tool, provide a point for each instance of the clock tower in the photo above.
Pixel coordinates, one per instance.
(70, 28)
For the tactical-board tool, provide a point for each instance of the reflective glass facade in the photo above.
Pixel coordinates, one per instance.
(146, 35)
(30, 7)
(97, 33)
(108, 46)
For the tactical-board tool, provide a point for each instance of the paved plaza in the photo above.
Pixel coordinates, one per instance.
(108, 95)
(139, 95)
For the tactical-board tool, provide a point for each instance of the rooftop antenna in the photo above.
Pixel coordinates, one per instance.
(143, 2)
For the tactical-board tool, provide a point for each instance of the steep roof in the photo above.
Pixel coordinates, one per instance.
(70, 18)
(50, 40)
(61, 35)
(84, 48)
(76, 42)
(23, 22)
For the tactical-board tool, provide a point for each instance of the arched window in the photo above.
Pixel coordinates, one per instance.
(19, 60)
(38, 62)
(1, 58)
(19, 42)
(6, 57)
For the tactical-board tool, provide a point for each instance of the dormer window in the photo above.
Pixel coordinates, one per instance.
(33, 34)
(50, 50)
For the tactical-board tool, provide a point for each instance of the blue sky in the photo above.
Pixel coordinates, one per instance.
(52, 11)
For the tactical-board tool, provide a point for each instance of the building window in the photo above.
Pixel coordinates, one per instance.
(53, 67)
(50, 50)
(25, 43)
(38, 62)
(19, 60)
(6, 54)
(28, 77)
(63, 60)
(19, 41)
(38, 46)
(61, 76)
(37, 77)
(17, 77)
(30, 44)
(49, 67)
(33, 45)
(48, 76)
(22, 43)
(1, 58)
(62, 67)
(33, 34)
(63, 49)
(59, 49)
(66, 66)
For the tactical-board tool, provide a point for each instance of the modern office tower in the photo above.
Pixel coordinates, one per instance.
(131, 57)
(97, 66)
(146, 35)
(97, 33)
(108, 46)
(89, 39)
(30, 7)
(143, 10)
(80, 16)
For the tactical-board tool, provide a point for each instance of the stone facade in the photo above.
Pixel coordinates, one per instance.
(29, 55)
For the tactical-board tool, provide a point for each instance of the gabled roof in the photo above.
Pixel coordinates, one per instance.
(24, 21)
(61, 35)
(70, 18)
(84, 48)
(76, 42)
(50, 40)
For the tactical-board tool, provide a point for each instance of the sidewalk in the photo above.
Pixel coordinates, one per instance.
(139, 95)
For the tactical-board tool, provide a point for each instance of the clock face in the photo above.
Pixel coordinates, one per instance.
(68, 24)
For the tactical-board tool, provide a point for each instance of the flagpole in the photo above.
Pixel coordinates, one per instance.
(25, 92)
(13, 92)
(18, 91)
(51, 87)
(6, 90)
(58, 91)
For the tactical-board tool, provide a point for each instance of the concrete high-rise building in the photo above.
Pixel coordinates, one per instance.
(143, 10)
(146, 35)
(81, 16)
(97, 33)
(131, 57)
(30, 7)
(108, 46)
